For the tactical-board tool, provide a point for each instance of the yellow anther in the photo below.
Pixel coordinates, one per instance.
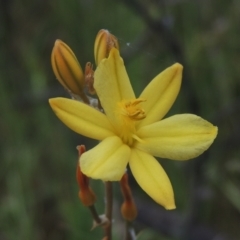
(132, 110)
(129, 112)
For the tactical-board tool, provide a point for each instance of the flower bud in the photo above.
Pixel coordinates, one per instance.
(128, 208)
(87, 197)
(67, 69)
(89, 78)
(85, 194)
(104, 42)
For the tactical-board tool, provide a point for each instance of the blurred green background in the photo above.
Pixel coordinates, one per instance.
(38, 157)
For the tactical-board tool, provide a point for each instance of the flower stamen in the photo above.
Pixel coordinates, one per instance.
(129, 113)
(131, 110)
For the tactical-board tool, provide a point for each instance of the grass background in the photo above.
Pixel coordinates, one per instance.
(38, 192)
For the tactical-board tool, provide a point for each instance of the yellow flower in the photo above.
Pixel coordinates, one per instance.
(130, 130)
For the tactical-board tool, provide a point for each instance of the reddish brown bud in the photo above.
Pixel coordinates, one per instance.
(128, 208)
(87, 197)
(85, 194)
(89, 78)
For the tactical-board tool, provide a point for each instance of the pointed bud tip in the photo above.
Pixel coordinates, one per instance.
(58, 44)
(58, 41)
(81, 149)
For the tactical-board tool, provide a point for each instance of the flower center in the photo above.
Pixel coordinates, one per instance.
(130, 112)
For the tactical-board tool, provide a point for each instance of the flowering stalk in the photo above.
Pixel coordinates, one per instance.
(131, 130)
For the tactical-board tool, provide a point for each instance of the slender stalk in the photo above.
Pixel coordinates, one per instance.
(127, 234)
(129, 231)
(108, 210)
(95, 215)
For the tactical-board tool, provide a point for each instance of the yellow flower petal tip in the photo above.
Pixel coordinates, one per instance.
(170, 207)
(175, 71)
(179, 137)
(114, 53)
(56, 103)
(53, 102)
(178, 68)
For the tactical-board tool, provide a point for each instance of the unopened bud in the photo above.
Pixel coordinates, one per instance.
(89, 78)
(128, 208)
(87, 197)
(104, 42)
(86, 194)
(67, 69)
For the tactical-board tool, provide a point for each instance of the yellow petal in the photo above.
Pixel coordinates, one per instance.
(179, 137)
(161, 93)
(112, 84)
(106, 161)
(152, 178)
(82, 118)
